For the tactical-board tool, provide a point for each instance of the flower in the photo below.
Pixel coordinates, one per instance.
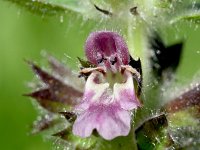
(109, 94)
(105, 100)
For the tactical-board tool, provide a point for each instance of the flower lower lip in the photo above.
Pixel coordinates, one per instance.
(102, 117)
(102, 106)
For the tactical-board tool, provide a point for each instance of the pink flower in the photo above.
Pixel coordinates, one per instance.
(109, 94)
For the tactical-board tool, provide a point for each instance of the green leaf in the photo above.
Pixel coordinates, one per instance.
(190, 16)
(59, 7)
(119, 143)
(183, 118)
(76, 142)
(162, 4)
(95, 142)
(185, 137)
(85, 63)
(152, 133)
(44, 122)
(41, 7)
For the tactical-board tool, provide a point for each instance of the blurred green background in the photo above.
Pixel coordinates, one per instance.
(25, 35)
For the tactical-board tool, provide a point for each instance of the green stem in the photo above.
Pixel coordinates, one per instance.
(134, 140)
(138, 48)
(138, 44)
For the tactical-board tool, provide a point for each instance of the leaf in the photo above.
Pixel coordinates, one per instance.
(44, 122)
(85, 63)
(95, 142)
(59, 7)
(59, 68)
(70, 116)
(45, 99)
(183, 115)
(192, 16)
(57, 95)
(77, 142)
(151, 132)
(184, 118)
(41, 7)
(188, 99)
(185, 137)
(162, 4)
(119, 143)
(65, 73)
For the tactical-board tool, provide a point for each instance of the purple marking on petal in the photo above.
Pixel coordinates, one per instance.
(124, 93)
(85, 101)
(105, 109)
(94, 93)
(128, 100)
(109, 120)
(107, 47)
(99, 89)
(115, 122)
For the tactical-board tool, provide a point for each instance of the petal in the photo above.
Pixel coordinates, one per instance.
(124, 93)
(109, 120)
(94, 92)
(85, 124)
(106, 44)
(94, 85)
(115, 122)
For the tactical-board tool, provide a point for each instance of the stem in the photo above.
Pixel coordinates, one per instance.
(134, 140)
(137, 43)
(138, 48)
